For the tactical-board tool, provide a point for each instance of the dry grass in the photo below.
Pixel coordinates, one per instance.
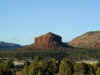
(18, 73)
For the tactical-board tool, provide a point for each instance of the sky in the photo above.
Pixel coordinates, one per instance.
(23, 20)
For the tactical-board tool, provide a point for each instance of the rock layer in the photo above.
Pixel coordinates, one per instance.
(48, 41)
(87, 40)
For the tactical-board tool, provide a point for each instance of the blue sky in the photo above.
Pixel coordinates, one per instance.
(22, 20)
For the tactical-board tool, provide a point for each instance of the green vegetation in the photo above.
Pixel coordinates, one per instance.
(52, 62)
(71, 53)
(64, 67)
(40, 67)
(51, 66)
(7, 69)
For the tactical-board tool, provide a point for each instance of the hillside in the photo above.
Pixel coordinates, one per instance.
(87, 40)
(8, 46)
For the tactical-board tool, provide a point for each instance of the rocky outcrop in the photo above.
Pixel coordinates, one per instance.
(49, 41)
(87, 40)
(46, 42)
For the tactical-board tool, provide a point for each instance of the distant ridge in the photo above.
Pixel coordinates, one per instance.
(8, 46)
(88, 40)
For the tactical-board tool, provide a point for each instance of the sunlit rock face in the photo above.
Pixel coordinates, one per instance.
(87, 40)
(49, 40)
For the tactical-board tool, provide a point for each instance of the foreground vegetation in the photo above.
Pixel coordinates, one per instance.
(51, 66)
(7, 68)
(51, 62)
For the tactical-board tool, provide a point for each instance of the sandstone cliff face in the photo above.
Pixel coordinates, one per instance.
(87, 40)
(48, 41)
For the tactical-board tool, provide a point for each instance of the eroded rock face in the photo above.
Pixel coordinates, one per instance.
(87, 40)
(49, 40)
(97, 45)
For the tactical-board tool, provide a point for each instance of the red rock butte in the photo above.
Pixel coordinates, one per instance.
(49, 40)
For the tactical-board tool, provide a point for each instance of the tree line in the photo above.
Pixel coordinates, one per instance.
(63, 67)
(51, 66)
(7, 68)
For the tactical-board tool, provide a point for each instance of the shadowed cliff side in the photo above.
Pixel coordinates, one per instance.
(48, 41)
